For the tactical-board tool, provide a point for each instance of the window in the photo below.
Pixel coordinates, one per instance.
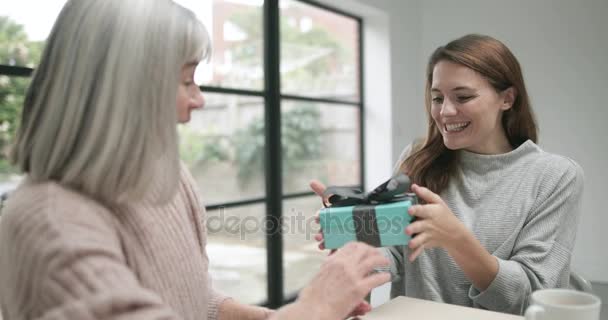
(310, 93)
(23, 32)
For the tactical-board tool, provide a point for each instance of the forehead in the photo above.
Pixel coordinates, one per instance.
(448, 75)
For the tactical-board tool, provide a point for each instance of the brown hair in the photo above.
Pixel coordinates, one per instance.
(431, 163)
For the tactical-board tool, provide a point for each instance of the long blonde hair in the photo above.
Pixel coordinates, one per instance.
(99, 115)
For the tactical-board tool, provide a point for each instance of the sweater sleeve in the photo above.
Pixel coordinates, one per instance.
(215, 301)
(396, 256)
(542, 252)
(62, 259)
(89, 284)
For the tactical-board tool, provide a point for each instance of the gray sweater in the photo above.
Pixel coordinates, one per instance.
(523, 206)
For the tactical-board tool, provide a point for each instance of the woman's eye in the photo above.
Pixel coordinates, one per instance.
(465, 98)
(437, 100)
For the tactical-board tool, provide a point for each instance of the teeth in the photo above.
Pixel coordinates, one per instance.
(456, 126)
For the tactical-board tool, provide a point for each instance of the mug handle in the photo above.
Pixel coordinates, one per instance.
(533, 311)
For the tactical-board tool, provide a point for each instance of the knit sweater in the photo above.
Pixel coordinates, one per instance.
(66, 256)
(523, 206)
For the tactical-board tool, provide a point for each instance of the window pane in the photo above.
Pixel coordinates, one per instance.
(223, 145)
(12, 93)
(320, 141)
(235, 27)
(236, 248)
(23, 30)
(302, 257)
(319, 52)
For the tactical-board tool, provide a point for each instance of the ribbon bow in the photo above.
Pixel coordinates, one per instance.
(394, 189)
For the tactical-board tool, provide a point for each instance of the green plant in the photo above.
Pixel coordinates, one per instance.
(300, 142)
(15, 49)
(197, 149)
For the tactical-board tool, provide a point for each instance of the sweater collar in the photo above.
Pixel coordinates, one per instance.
(481, 163)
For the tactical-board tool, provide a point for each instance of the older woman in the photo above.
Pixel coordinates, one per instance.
(108, 224)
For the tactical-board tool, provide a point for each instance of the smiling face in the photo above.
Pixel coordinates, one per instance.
(189, 96)
(467, 109)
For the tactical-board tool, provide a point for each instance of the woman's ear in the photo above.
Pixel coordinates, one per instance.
(508, 98)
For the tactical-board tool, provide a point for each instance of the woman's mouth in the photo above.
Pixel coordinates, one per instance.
(455, 127)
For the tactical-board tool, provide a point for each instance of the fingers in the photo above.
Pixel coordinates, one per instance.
(420, 210)
(418, 241)
(426, 194)
(319, 238)
(317, 187)
(416, 253)
(357, 252)
(365, 257)
(415, 228)
(363, 308)
(353, 251)
(376, 280)
(368, 265)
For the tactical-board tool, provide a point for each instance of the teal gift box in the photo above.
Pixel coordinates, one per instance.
(377, 225)
(378, 218)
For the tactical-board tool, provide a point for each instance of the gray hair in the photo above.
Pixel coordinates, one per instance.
(100, 113)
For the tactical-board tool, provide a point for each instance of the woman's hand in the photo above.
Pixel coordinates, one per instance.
(319, 188)
(344, 280)
(435, 225)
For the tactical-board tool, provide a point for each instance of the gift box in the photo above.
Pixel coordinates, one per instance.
(377, 218)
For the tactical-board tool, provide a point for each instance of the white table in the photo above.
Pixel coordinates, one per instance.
(416, 309)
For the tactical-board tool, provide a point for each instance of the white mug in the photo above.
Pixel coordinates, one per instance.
(563, 304)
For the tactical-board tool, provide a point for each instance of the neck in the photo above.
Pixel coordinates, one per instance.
(495, 145)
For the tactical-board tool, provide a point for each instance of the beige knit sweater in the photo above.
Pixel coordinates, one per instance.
(65, 256)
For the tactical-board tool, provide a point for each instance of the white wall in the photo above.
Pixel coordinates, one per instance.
(562, 46)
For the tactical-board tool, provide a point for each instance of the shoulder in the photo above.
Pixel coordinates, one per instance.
(555, 172)
(407, 151)
(410, 148)
(46, 219)
(554, 167)
(45, 227)
(52, 203)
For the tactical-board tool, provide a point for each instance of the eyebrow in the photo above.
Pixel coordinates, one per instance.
(460, 88)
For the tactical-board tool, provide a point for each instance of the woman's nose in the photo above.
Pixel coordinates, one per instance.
(198, 100)
(448, 109)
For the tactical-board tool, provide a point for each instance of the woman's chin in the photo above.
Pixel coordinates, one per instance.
(452, 144)
(183, 119)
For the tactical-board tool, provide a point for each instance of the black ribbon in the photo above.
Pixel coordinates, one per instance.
(394, 189)
(366, 226)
